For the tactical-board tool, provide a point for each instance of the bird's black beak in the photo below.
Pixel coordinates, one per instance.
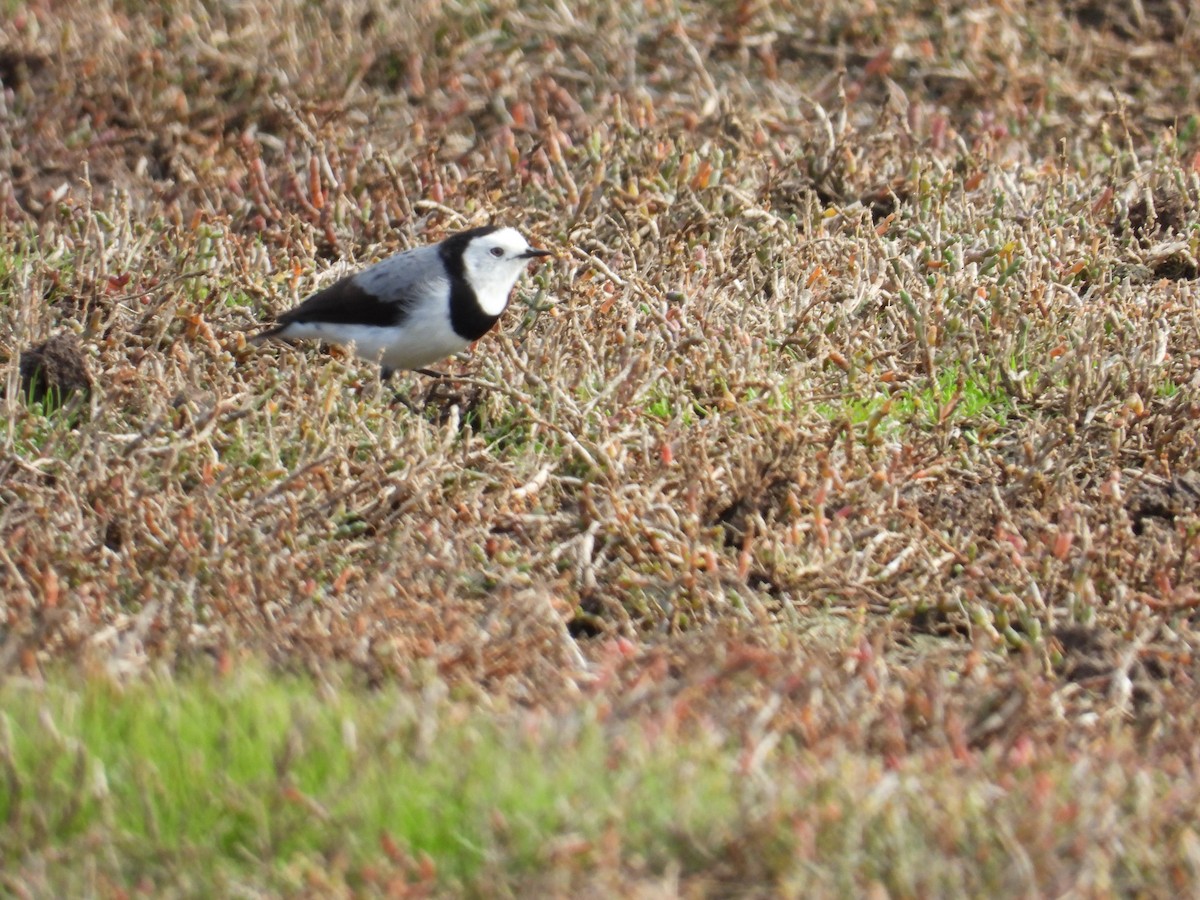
(534, 253)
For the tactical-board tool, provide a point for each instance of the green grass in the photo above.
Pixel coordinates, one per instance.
(46, 426)
(202, 785)
(969, 402)
(220, 779)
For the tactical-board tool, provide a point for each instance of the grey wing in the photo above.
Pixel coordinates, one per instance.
(406, 278)
(382, 294)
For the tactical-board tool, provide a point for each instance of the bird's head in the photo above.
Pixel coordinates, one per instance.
(493, 260)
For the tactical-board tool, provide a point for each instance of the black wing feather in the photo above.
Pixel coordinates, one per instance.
(345, 303)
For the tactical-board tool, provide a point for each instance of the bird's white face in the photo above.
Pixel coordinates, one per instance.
(493, 263)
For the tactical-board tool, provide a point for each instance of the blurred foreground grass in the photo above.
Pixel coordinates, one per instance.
(210, 786)
(207, 786)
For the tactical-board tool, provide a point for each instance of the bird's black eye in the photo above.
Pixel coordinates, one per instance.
(497, 252)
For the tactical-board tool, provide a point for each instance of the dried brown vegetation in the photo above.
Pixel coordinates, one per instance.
(869, 364)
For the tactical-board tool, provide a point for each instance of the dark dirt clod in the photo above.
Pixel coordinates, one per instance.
(1175, 267)
(1152, 19)
(1179, 497)
(114, 535)
(885, 200)
(1087, 652)
(1167, 215)
(56, 366)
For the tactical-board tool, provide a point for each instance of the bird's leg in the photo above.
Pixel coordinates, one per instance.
(400, 398)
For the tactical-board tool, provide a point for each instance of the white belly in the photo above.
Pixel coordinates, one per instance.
(416, 343)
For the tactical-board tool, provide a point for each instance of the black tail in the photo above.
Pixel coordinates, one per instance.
(265, 335)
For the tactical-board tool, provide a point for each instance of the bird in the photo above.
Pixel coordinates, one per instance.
(417, 306)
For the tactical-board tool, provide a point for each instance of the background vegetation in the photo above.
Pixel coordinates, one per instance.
(822, 520)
